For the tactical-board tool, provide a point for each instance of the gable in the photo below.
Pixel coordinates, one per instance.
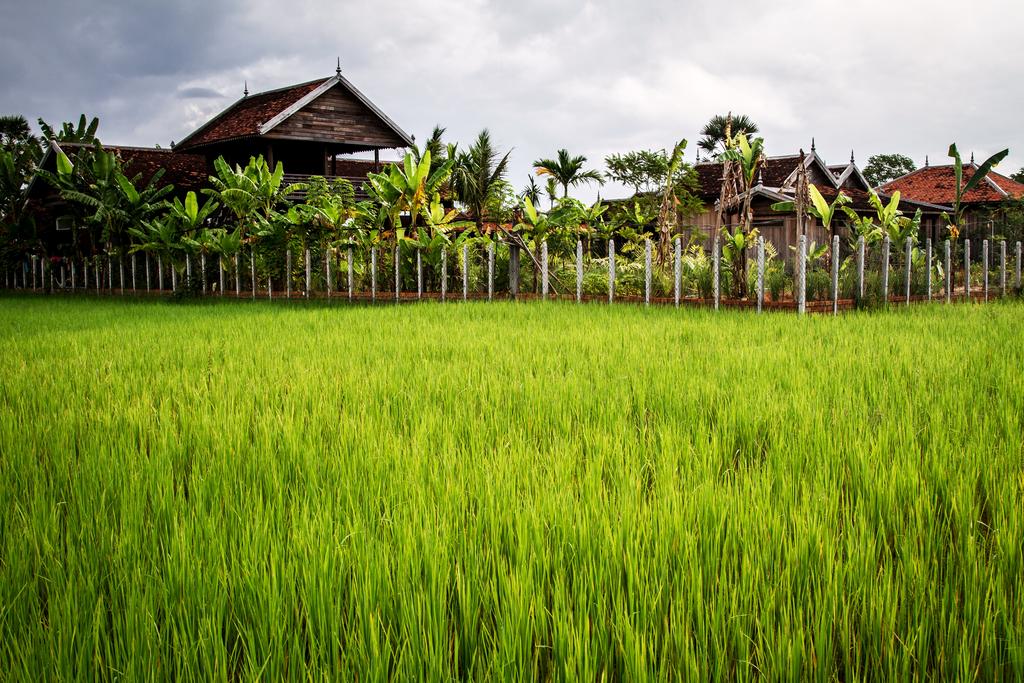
(337, 115)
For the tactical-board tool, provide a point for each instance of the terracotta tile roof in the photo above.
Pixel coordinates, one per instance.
(859, 201)
(244, 117)
(937, 185)
(774, 172)
(184, 171)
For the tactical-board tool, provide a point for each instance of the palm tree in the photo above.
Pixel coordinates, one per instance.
(477, 174)
(720, 129)
(531, 191)
(567, 170)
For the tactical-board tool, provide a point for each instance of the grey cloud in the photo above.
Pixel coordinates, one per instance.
(593, 77)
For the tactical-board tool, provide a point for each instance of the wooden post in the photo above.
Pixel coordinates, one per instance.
(1002, 268)
(288, 273)
(148, 279)
(419, 274)
(647, 272)
(309, 272)
(949, 272)
(677, 289)
(801, 303)
(270, 288)
(544, 269)
(202, 268)
(490, 270)
(444, 274)
(373, 273)
(110, 275)
(174, 279)
(351, 274)
(398, 270)
(120, 274)
(860, 269)
(327, 273)
(760, 273)
(220, 273)
(188, 270)
(928, 267)
(984, 266)
(238, 278)
(579, 271)
(465, 271)
(72, 275)
(611, 270)
(716, 285)
(513, 270)
(906, 268)
(252, 270)
(135, 265)
(885, 270)
(49, 269)
(967, 270)
(32, 260)
(835, 275)
(159, 272)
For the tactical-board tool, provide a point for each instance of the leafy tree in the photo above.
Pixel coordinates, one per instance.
(567, 171)
(532, 190)
(1018, 176)
(882, 168)
(719, 130)
(476, 175)
(643, 170)
(745, 158)
(84, 133)
(108, 202)
(16, 139)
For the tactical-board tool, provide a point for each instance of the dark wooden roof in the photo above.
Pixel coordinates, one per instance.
(330, 111)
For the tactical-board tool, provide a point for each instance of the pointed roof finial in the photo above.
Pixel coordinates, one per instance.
(813, 148)
(851, 157)
(972, 157)
(337, 71)
(926, 161)
(245, 93)
(760, 177)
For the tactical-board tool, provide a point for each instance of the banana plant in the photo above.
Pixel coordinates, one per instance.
(253, 194)
(820, 208)
(955, 223)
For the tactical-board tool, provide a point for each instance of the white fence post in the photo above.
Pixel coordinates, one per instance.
(159, 272)
(490, 270)
(715, 268)
(373, 273)
(611, 270)
(398, 270)
(544, 269)
(465, 271)
(678, 280)
(252, 270)
(419, 273)
(967, 271)
(202, 267)
(835, 275)
(135, 260)
(647, 272)
(188, 270)
(579, 271)
(72, 275)
(220, 274)
(802, 275)
(928, 267)
(288, 273)
(270, 288)
(110, 275)
(174, 279)
(885, 270)
(906, 268)
(760, 273)
(984, 266)
(327, 273)
(238, 277)
(949, 272)
(444, 274)
(1018, 263)
(309, 271)
(860, 268)
(1002, 268)
(351, 274)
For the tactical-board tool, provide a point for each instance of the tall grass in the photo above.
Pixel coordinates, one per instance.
(509, 492)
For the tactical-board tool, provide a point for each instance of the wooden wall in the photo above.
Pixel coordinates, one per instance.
(337, 116)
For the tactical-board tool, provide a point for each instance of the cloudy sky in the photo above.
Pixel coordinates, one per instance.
(595, 77)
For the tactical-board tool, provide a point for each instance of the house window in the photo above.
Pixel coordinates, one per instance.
(65, 223)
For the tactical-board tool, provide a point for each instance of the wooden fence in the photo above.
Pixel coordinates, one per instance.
(346, 275)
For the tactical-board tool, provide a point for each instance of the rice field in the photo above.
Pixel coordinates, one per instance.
(241, 491)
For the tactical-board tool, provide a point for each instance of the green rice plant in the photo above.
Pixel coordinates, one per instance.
(508, 491)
